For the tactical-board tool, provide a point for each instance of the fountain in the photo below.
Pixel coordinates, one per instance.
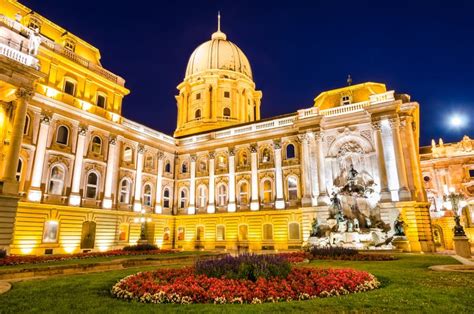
(354, 218)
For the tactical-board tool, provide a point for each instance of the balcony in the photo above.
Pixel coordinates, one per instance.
(14, 46)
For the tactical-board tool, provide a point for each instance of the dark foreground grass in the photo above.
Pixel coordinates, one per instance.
(408, 286)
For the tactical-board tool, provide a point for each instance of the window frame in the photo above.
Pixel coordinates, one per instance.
(127, 192)
(222, 198)
(90, 185)
(147, 196)
(93, 144)
(68, 131)
(74, 84)
(50, 179)
(102, 95)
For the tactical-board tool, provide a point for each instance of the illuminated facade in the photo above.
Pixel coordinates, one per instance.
(449, 167)
(227, 180)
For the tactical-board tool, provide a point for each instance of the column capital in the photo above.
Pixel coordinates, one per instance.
(160, 155)
(231, 151)
(318, 135)
(212, 155)
(253, 148)
(302, 138)
(193, 157)
(45, 118)
(394, 122)
(82, 130)
(377, 125)
(277, 144)
(112, 139)
(24, 93)
(141, 149)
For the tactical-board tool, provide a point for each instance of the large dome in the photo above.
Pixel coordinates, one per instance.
(218, 54)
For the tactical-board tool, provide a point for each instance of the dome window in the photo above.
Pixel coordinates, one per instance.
(197, 114)
(226, 94)
(346, 100)
(198, 96)
(226, 113)
(70, 45)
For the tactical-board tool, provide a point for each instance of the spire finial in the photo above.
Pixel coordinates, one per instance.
(219, 34)
(349, 80)
(218, 21)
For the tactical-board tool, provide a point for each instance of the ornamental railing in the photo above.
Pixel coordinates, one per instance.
(360, 106)
(17, 51)
(148, 131)
(24, 31)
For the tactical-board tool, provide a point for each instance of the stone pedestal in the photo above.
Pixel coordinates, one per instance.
(462, 246)
(402, 243)
(142, 242)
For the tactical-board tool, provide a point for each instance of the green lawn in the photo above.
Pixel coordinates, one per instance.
(408, 286)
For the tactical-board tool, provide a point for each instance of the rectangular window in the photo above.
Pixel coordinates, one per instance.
(69, 87)
(267, 232)
(294, 231)
(198, 96)
(123, 232)
(180, 233)
(226, 94)
(200, 233)
(101, 101)
(50, 232)
(471, 173)
(220, 233)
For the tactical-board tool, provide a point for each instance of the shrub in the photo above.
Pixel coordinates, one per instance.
(245, 266)
(3, 253)
(141, 247)
(346, 254)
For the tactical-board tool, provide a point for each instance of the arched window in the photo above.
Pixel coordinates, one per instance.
(202, 165)
(267, 191)
(197, 114)
(56, 181)
(183, 198)
(147, 195)
(290, 151)
(226, 113)
(27, 125)
(19, 167)
(127, 154)
(124, 191)
(62, 136)
(202, 196)
(292, 189)
(222, 195)
(96, 145)
(92, 185)
(184, 167)
(221, 162)
(168, 167)
(243, 193)
(166, 198)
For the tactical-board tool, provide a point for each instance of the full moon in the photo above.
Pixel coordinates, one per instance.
(456, 121)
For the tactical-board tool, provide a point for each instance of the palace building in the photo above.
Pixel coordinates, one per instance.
(77, 175)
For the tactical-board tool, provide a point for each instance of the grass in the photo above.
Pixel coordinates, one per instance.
(408, 286)
(93, 260)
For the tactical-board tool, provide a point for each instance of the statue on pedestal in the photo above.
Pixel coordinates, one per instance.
(314, 228)
(399, 226)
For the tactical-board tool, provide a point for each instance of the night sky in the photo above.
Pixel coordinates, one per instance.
(296, 50)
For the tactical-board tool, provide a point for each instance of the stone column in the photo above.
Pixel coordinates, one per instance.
(415, 160)
(403, 192)
(159, 183)
(109, 175)
(231, 206)
(385, 195)
(34, 193)
(306, 170)
(279, 202)
(322, 197)
(254, 204)
(10, 184)
(74, 196)
(192, 186)
(137, 200)
(211, 207)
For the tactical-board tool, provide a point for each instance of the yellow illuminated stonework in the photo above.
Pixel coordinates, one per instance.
(78, 176)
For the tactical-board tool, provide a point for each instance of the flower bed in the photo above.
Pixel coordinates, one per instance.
(295, 257)
(185, 286)
(32, 259)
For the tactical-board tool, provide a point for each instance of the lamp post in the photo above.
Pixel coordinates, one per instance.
(142, 219)
(461, 242)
